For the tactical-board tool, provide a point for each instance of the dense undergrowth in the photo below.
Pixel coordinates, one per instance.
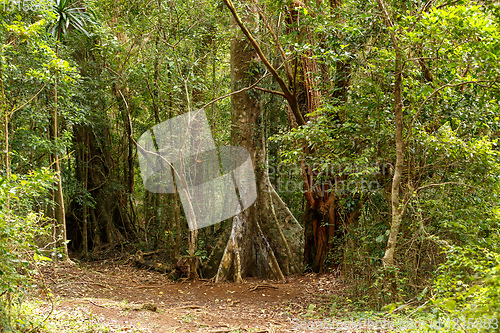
(447, 271)
(23, 229)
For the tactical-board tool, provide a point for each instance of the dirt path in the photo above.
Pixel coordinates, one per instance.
(125, 299)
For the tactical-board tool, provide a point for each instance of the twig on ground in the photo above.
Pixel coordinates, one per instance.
(186, 307)
(262, 286)
(150, 286)
(91, 302)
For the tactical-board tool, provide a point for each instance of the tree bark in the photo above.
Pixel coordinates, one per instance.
(325, 220)
(396, 211)
(248, 252)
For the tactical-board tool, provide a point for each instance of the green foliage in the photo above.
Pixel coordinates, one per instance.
(30, 63)
(467, 284)
(21, 225)
(451, 178)
(68, 15)
(153, 60)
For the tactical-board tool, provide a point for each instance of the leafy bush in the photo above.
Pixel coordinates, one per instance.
(21, 217)
(468, 288)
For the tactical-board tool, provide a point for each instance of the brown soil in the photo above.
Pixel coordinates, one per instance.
(125, 298)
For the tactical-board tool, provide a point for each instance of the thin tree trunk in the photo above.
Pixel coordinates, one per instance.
(193, 262)
(178, 229)
(60, 213)
(288, 256)
(396, 211)
(6, 139)
(85, 240)
(130, 153)
(156, 73)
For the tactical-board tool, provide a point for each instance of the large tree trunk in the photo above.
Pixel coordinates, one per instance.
(325, 220)
(326, 224)
(248, 252)
(107, 220)
(110, 217)
(323, 232)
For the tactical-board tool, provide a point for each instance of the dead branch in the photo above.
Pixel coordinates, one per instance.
(262, 286)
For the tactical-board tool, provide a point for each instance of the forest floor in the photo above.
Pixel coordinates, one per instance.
(109, 297)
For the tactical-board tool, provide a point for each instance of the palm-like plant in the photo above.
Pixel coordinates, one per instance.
(69, 15)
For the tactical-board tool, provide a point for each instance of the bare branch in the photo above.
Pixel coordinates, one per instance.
(279, 93)
(236, 92)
